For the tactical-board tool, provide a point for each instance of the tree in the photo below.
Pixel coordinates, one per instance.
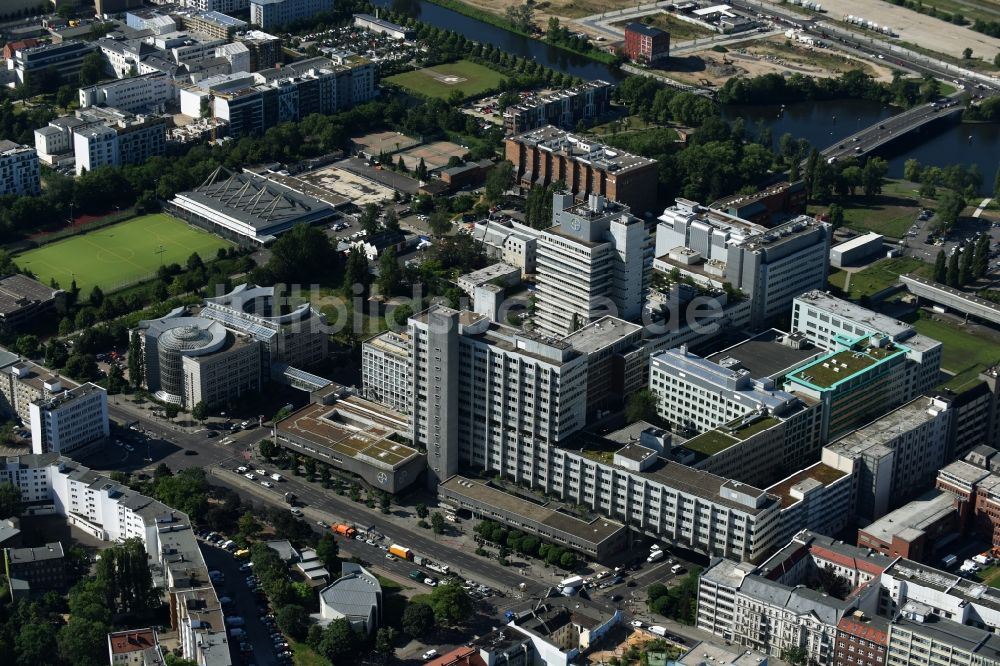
(116, 379)
(912, 170)
(92, 68)
(950, 206)
(873, 175)
(27, 345)
(135, 361)
(302, 255)
(498, 181)
(200, 411)
(437, 522)
(248, 527)
(965, 264)
(391, 222)
(836, 215)
(81, 367)
(356, 273)
(293, 620)
(423, 512)
(96, 296)
(401, 315)
(186, 491)
(418, 620)
(451, 604)
(941, 267)
(170, 410)
(56, 353)
(83, 642)
(390, 277)
(981, 258)
(340, 643)
(267, 448)
(35, 644)
(368, 220)
(568, 560)
(10, 500)
(966, 53)
(385, 642)
(328, 551)
(796, 656)
(996, 181)
(640, 406)
(952, 274)
(125, 574)
(439, 223)
(384, 502)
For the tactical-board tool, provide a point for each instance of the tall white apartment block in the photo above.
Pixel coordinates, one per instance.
(696, 394)
(770, 265)
(386, 370)
(491, 396)
(94, 147)
(595, 260)
(18, 169)
(271, 13)
(69, 421)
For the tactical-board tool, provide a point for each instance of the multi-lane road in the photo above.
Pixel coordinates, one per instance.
(887, 130)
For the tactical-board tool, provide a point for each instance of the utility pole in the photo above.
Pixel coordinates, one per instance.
(160, 252)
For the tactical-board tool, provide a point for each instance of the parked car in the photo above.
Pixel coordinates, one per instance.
(430, 654)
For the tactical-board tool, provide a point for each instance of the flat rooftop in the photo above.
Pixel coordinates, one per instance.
(595, 531)
(764, 355)
(889, 426)
(828, 371)
(352, 427)
(602, 333)
(980, 642)
(552, 139)
(50, 551)
(820, 473)
(925, 576)
(916, 515)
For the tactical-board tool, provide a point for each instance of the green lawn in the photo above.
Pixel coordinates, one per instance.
(303, 655)
(119, 255)
(884, 273)
(965, 353)
(469, 78)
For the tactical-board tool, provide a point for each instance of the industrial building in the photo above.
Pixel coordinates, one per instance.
(381, 26)
(247, 208)
(857, 250)
(545, 155)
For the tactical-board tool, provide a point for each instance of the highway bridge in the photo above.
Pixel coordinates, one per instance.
(968, 304)
(884, 131)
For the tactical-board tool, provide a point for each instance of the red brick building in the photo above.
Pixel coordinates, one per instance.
(861, 641)
(11, 47)
(646, 44)
(548, 154)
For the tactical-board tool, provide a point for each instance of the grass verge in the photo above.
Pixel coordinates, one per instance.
(965, 353)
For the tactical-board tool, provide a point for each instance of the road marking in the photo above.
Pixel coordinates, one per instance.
(982, 207)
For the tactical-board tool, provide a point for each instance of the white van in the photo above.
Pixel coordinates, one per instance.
(676, 569)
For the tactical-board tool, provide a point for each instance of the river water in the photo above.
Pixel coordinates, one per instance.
(821, 123)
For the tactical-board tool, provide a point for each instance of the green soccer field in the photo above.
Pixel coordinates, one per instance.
(441, 80)
(119, 255)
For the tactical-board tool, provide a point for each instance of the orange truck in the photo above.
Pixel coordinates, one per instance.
(343, 530)
(401, 552)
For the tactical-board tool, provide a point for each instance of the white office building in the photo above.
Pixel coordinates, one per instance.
(595, 260)
(135, 94)
(268, 14)
(223, 6)
(121, 140)
(386, 370)
(18, 169)
(696, 394)
(832, 323)
(71, 421)
(769, 265)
